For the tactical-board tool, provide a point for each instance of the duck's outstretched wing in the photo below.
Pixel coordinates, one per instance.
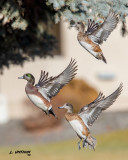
(90, 112)
(49, 87)
(102, 33)
(98, 99)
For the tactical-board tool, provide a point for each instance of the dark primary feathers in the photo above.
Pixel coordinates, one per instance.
(102, 33)
(92, 26)
(90, 112)
(43, 79)
(49, 87)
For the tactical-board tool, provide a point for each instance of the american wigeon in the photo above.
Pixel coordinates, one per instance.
(96, 34)
(82, 121)
(48, 87)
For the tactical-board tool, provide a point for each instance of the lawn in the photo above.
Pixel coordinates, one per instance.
(111, 146)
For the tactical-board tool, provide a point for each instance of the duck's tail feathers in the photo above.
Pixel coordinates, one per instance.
(52, 112)
(100, 56)
(104, 59)
(91, 142)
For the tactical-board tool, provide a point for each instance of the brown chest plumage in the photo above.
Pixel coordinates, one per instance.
(83, 37)
(73, 116)
(30, 89)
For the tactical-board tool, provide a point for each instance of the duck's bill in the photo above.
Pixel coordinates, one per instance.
(61, 107)
(73, 25)
(21, 77)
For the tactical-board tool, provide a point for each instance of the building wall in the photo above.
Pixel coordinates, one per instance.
(115, 51)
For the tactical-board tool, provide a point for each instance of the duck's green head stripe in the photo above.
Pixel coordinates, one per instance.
(29, 75)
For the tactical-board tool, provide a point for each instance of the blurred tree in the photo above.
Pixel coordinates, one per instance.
(82, 10)
(25, 25)
(25, 31)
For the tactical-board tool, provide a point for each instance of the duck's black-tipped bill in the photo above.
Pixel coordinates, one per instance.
(52, 112)
(73, 25)
(21, 77)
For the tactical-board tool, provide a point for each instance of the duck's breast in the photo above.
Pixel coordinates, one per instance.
(88, 47)
(38, 101)
(77, 126)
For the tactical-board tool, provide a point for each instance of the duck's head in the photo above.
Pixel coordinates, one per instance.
(79, 26)
(29, 77)
(68, 107)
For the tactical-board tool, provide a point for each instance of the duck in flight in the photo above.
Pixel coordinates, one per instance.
(48, 87)
(96, 34)
(87, 115)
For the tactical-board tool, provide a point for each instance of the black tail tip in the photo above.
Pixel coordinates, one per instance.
(52, 112)
(104, 59)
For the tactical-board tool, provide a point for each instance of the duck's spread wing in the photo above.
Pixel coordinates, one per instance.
(102, 33)
(92, 104)
(49, 87)
(91, 112)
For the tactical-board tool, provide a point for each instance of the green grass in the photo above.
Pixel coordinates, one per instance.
(111, 146)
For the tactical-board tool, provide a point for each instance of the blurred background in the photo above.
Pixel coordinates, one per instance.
(21, 123)
(25, 127)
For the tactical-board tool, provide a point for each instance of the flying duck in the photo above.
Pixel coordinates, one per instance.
(48, 87)
(87, 115)
(96, 34)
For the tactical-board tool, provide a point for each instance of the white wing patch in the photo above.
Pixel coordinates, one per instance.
(44, 92)
(88, 47)
(37, 101)
(77, 127)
